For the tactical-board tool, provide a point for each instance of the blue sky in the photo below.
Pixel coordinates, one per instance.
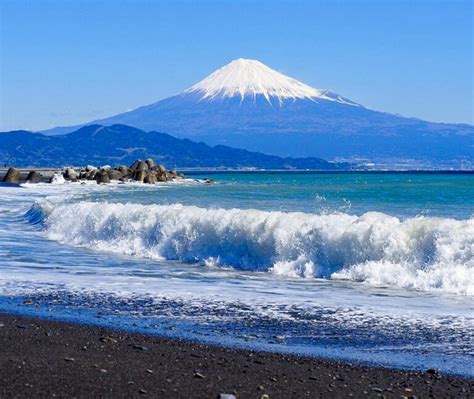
(66, 62)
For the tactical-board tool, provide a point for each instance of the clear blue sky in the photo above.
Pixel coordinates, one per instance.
(65, 62)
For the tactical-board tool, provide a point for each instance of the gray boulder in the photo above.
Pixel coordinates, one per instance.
(70, 174)
(150, 178)
(114, 175)
(161, 177)
(34, 177)
(91, 175)
(141, 166)
(139, 175)
(133, 166)
(124, 170)
(150, 163)
(12, 176)
(175, 175)
(102, 177)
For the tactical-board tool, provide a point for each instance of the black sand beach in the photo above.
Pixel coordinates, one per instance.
(40, 358)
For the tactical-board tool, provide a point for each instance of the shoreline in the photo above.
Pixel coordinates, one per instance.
(44, 358)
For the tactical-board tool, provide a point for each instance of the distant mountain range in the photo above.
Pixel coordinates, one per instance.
(121, 144)
(246, 104)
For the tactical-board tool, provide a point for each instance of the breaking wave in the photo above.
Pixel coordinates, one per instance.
(422, 253)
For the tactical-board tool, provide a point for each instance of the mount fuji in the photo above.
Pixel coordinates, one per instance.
(248, 105)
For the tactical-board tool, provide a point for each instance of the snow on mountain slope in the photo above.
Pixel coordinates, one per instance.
(244, 78)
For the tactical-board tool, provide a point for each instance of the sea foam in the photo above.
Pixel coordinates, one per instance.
(418, 253)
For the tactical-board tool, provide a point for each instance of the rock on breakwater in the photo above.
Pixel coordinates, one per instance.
(141, 171)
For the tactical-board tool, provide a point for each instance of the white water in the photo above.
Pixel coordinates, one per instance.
(244, 272)
(422, 253)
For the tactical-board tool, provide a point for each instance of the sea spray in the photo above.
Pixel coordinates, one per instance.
(421, 253)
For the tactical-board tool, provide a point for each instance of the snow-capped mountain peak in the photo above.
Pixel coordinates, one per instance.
(244, 77)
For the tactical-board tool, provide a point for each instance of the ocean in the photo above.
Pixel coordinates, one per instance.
(375, 268)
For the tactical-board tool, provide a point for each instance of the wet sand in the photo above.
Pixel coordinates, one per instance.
(41, 358)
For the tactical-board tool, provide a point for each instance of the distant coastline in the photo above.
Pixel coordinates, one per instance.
(121, 144)
(198, 171)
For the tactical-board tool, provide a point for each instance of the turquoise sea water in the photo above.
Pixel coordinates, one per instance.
(365, 267)
(397, 194)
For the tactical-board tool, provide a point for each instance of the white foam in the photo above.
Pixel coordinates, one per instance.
(58, 178)
(420, 253)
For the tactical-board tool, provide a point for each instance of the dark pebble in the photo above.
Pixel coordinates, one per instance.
(107, 339)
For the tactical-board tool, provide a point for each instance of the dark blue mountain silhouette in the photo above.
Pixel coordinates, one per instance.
(121, 144)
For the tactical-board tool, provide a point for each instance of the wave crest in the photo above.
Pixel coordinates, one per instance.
(420, 253)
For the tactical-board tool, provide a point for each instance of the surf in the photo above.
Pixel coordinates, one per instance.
(421, 253)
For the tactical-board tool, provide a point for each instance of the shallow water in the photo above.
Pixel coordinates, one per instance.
(364, 267)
